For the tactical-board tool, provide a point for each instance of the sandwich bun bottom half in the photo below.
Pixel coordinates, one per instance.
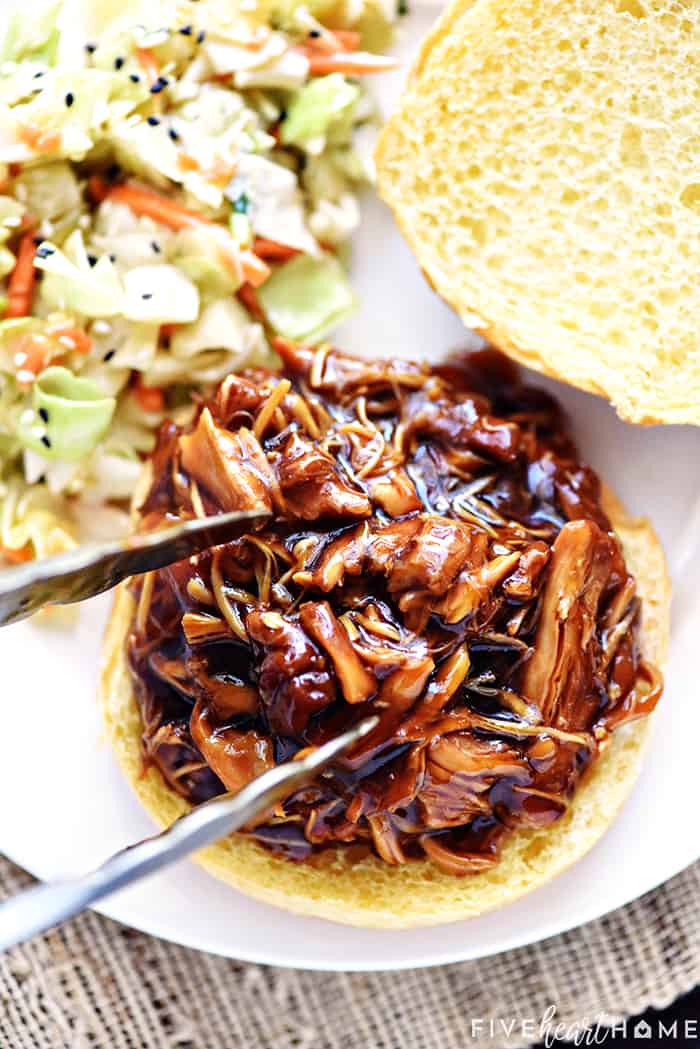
(369, 892)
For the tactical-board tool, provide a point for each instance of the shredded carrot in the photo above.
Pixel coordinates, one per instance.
(149, 63)
(358, 63)
(4, 184)
(272, 250)
(79, 339)
(150, 398)
(38, 138)
(14, 169)
(168, 330)
(247, 297)
(145, 202)
(255, 271)
(333, 41)
(259, 36)
(20, 287)
(17, 555)
(187, 163)
(348, 39)
(98, 189)
(31, 354)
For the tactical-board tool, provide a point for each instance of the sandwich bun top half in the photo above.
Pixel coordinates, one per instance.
(543, 166)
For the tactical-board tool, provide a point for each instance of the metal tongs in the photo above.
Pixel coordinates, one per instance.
(91, 569)
(43, 906)
(83, 573)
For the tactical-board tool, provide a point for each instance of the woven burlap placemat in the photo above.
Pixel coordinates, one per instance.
(95, 983)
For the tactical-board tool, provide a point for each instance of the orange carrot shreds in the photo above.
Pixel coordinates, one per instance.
(167, 331)
(282, 345)
(72, 338)
(333, 41)
(255, 271)
(247, 297)
(146, 203)
(257, 38)
(14, 169)
(272, 250)
(39, 139)
(149, 63)
(16, 555)
(246, 265)
(31, 354)
(187, 163)
(348, 39)
(98, 189)
(150, 398)
(20, 287)
(357, 63)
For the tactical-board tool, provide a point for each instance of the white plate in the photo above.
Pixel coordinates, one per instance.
(65, 806)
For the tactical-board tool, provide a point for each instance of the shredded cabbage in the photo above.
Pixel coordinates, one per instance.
(307, 297)
(68, 418)
(162, 156)
(73, 282)
(316, 108)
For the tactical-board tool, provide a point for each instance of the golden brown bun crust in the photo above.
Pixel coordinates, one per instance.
(371, 893)
(555, 207)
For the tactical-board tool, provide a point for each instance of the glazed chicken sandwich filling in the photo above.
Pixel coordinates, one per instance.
(438, 556)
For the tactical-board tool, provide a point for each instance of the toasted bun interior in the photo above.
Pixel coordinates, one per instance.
(543, 165)
(371, 893)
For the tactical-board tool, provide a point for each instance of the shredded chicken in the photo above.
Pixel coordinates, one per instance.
(437, 556)
(231, 466)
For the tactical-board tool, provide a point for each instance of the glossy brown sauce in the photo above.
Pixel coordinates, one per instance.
(438, 556)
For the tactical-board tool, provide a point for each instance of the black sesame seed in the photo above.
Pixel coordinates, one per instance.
(147, 295)
(45, 441)
(118, 62)
(113, 171)
(91, 48)
(134, 78)
(70, 99)
(173, 134)
(158, 86)
(283, 114)
(241, 204)
(108, 355)
(36, 241)
(92, 259)
(44, 251)
(186, 30)
(40, 73)
(153, 121)
(43, 414)
(156, 247)
(201, 36)
(112, 258)
(402, 7)
(315, 33)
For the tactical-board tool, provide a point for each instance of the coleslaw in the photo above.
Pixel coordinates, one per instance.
(177, 180)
